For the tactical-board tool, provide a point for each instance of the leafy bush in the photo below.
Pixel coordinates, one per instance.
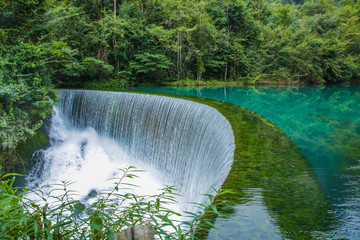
(27, 95)
(57, 215)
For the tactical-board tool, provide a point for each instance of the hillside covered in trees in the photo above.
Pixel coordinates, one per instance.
(72, 42)
(84, 43)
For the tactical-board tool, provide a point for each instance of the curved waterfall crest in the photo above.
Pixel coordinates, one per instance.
(190, 145)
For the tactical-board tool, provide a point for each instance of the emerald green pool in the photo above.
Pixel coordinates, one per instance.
(324, 123)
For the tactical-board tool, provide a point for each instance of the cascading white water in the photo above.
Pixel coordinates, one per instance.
(181, 143)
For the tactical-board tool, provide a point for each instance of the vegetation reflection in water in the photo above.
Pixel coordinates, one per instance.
(324, 122)
(278, 195)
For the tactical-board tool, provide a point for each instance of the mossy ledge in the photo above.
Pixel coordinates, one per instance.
(18, 159)
(265, 158)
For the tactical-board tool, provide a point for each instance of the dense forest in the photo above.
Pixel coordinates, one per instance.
(111, 43)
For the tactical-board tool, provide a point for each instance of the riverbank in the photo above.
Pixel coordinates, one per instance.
(221, 83)
(118, 84)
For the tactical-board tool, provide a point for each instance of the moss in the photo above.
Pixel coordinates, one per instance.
(18, 160)
(346, 141)
(33, 143)
(25, 150)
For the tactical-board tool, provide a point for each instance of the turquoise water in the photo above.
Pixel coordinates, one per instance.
(324, 122)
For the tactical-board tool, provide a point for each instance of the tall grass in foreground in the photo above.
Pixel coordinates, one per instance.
(57, 215)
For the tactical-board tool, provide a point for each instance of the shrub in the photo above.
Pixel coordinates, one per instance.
(57, 215)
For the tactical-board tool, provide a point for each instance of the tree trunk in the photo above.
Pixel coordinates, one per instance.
(178, 63)
(228, 35)
(115, 9)
(225, 75)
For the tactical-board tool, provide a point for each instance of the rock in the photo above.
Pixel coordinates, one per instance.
(140, 232)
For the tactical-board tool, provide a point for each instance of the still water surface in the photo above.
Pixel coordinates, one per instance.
(324, 122)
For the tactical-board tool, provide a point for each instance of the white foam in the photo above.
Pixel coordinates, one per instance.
(88, 161)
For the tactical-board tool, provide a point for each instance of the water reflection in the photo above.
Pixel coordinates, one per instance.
(251, 221)
(324, 123)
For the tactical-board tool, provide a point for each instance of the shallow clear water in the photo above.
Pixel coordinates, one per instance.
(324, 122)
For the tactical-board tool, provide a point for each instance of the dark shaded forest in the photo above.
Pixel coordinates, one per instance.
(112, 43)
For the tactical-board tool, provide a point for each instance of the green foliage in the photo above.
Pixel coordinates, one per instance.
(59, 216)
(113, 83)
(284, 15)
(150, 66)
(26, 91)
(96, 68)
(148, 42)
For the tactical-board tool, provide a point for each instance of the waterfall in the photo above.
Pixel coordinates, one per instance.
(182, 143)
